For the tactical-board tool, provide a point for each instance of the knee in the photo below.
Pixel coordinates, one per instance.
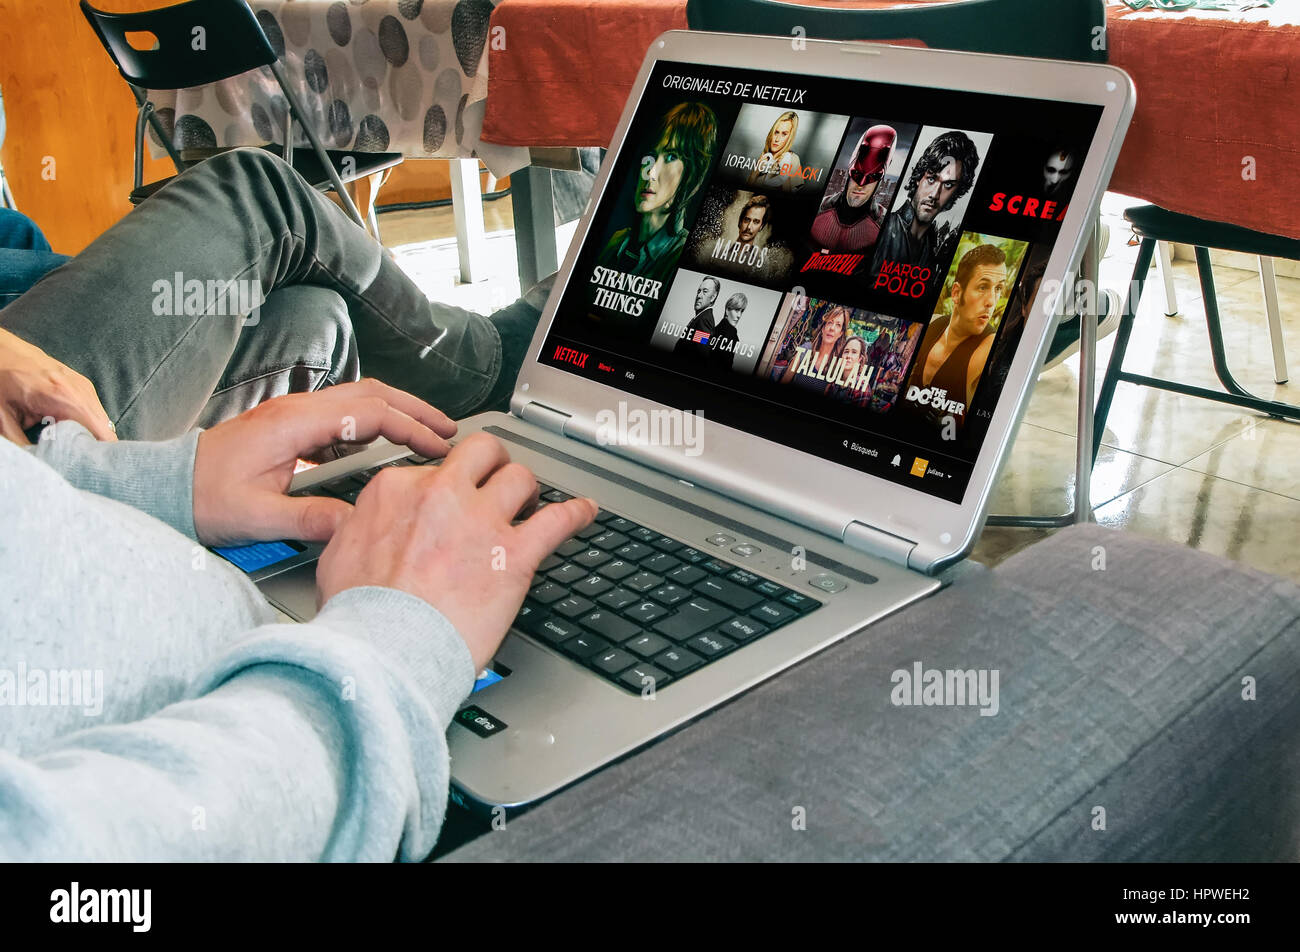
(315, 323)
(248, 161)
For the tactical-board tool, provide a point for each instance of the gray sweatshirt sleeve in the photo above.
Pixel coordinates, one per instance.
(282, 742)
(114, 470)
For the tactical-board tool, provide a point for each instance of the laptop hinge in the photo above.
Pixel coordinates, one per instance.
(544, 416)
(885, 545)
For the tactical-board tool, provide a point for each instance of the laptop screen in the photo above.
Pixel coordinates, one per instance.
(839, 266)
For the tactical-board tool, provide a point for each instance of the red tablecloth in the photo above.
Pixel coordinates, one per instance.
(1214, 91)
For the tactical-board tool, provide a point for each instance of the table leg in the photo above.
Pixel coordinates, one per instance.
(533, 201)
(467, 208)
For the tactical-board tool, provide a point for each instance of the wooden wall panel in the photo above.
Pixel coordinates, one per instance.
(70, 113)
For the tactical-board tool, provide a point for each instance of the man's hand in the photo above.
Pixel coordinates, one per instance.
(444, 534)
(33, 386)
(243, 466)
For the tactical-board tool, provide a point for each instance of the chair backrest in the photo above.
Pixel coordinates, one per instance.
(202, 41)
(1053, 29)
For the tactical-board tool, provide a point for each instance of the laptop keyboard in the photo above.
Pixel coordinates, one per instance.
(634, 606)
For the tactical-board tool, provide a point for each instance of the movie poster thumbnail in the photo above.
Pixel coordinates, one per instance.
(781, 150)
(714, 326)
(919, 235)
(745, 235)
(858, 195)
(848, 355)
(1027, 187)
(960, 335)
(652, 217)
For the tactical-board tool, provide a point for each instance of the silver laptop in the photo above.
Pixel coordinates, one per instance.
(787, 352)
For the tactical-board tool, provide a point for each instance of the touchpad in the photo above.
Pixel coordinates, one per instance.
(294, 591)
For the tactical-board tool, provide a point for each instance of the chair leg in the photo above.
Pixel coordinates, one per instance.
(1122, 334)
(1167, 272)
(1268, 279)
(1212, 324)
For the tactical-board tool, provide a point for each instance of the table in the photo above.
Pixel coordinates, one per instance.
(1214, 90)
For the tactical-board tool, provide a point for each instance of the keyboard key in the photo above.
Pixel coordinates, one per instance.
(608, 540)
(528, 613)
(548, 592)
(687, 575)
(644, 676)
(613, 661)
(592, 558)
(720, 538)
(741, 577)
(567, 573)
(644, 535)
(670, 594)
(618, 569)
(555, 495)
(690, 555)
(604, 516)
(643, 581)
(773, 613)
(570, 548)
(634, 552)
(770, 589)
(665, 544)
(711, 646)
(697, 615)
(677, 660)
(742, 629)
(660, 563)
(555, 630)
(729, 593)
(594, 529)
(592, 585)
(746, 549)
(550, 562)
(619, 524)
(608, 625)
(573, 606)
(647, 645)
(538, 579)
(803, 603)
(717, 566)
(645, 612)
(617, 599)
(583, 645)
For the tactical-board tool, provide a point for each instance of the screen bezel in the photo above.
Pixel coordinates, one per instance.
(773, 476)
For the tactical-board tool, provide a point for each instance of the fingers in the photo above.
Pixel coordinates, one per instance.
(90, 413)
(358, 413)
(541, 533)
(510, 489)
(476, 458)
(305, 518)
(10, 428)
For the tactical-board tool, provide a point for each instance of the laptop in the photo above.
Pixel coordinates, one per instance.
(787, 353)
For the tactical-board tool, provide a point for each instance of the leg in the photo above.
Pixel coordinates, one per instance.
(533, 201)
(1116, 365)
(300, 340)
(246, 216)
(1268, 278)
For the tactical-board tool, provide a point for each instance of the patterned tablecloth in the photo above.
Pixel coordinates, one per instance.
(405, 76)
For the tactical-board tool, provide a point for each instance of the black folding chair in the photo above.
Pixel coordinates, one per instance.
(233, 43)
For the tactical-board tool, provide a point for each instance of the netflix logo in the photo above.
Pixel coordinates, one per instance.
(568, 355)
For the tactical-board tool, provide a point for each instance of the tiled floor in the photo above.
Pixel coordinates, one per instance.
(1200, 474)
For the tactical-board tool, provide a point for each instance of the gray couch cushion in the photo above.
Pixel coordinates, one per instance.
(1120, 688)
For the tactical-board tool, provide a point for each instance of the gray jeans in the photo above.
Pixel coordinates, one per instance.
(136, 311)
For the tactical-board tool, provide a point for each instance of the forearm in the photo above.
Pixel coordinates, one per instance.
(303, 742)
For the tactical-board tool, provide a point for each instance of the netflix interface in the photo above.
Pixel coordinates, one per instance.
(842, 267)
